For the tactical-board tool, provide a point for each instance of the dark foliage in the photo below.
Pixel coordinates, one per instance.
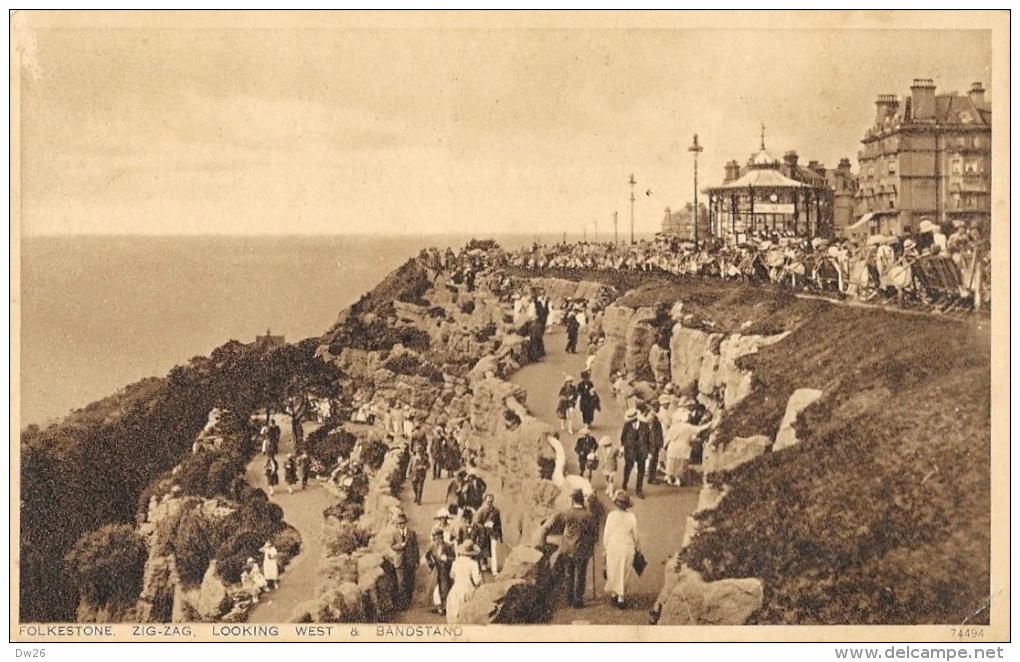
(328, 443)
(373, 452)
(106, 565)
(482, 245)
(97, 467)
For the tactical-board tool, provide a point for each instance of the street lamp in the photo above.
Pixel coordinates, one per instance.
(632, 182)
(697, 149)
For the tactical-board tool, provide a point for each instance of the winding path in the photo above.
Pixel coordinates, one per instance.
(303, 511)
(661, 516)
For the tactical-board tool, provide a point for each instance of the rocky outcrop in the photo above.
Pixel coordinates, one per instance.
(659, 362)
(360, 586)
(732, 454)
(801, 399)
(519, 595)
(690, 600)
(639, 339)
(610, 358)
(686, 354)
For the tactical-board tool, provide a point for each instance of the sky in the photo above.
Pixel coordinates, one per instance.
(342, 124)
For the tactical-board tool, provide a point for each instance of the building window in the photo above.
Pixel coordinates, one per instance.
(975, 141)
(971, 167)
(892, 167)
(961, 141)
(955, 166)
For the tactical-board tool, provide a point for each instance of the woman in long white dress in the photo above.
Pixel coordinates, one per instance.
(467, 577)
(270, 566)
(620, 538)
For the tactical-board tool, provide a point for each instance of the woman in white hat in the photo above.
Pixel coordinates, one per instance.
(467, 577)
(620, 539)
(609, 458)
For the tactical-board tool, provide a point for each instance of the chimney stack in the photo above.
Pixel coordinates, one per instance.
(977, 93)
(790, 159)
(922, 92)
(844, 166)
(732, 171)
(885, 106)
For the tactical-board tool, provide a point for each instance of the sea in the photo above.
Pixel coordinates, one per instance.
(99, 313)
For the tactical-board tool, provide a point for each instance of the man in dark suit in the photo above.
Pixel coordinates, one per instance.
(655, 441)
(578, 530)
(404, 544)
(492, 524)
(635, 441)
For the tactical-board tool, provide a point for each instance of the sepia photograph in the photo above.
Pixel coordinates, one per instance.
(394, 326)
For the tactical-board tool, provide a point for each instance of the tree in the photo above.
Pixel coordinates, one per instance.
(296, 376)
(107, 565)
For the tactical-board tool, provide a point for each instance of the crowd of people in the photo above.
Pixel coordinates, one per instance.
(930, 267)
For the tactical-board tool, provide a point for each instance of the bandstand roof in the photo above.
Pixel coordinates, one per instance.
(763, 178)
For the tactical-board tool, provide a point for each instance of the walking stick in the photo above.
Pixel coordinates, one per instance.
(594, 560)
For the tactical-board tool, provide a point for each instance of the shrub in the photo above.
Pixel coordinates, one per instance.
(373, 452)
(328, 443)
(404, 364)
(482, 244)
(346, 539)
(107, 565)
(194, 545)
(467, 307)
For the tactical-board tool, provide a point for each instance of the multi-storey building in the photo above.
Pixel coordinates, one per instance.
(681, 223)
(929, 157)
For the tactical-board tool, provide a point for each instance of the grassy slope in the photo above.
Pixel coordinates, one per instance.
(882, 514)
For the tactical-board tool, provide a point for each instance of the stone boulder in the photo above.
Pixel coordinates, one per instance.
(708, 380)
(686, 354)
(639, 340)
(213, 600)
(710, 497)
(723, 457)
(658, 360)
(801, 399)
(735, 382)
(519, 595)
(693, 601)
(487, 366)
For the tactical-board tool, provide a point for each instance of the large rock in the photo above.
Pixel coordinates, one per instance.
(693, 601)
(658, 359)
(708, 379)
(735, 382)
(710, 497)
(801, 399)
(520, 595)
(640, 338)
(686, 354)
(723, 457)
(213, 600)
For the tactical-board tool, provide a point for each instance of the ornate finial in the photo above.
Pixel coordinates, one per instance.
(763, 136)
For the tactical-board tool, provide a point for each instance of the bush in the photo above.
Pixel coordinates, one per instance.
(373, 452)
(404, 364)
(328, 443)
(194, 545)
(346, 539)
(467, 307)
(107, 565)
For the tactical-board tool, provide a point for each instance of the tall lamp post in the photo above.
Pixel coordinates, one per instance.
(697, 149)
(616, 231)
(632, 182)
